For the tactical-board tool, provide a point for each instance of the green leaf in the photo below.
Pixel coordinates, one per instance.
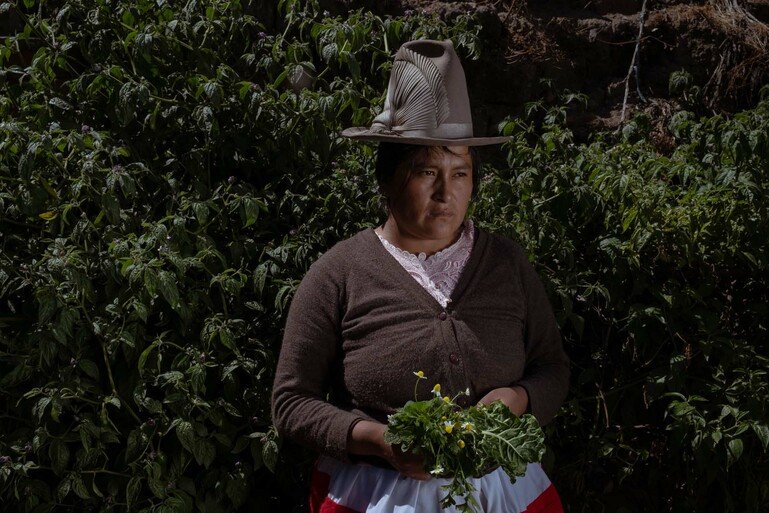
(167, 285)
(137, 441)
(226, 338)
(251, 209)
(762, 432)
(145, 354)
(48, 350)
(628, 217)
(330, 52)
(733, 451)
(63, 489)
(89, 367)
(279, 80)
(58, 102)
(256, 454)
(283, 296)
(270, 454)
(114, 401)
(59, 454)
(79, 488)
(128, 17)
(157, 487)
(132, 491)
(260, 276)
(201, 212)
(151, 281)
(94, 488)
(111, 208)
(205, 452)
(186, 435)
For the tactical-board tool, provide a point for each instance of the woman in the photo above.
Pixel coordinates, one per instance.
(426, 291)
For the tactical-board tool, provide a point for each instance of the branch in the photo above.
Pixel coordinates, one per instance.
(634, 64)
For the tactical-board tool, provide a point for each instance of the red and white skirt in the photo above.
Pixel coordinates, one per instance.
(338, 487)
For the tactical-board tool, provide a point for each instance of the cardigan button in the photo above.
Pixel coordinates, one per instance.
(454, 358)
(442, 316)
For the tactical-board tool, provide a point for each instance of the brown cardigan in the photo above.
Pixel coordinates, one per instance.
(359, 326)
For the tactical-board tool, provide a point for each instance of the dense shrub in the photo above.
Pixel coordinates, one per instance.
(657, 267)
(163, 191)
(166, 181)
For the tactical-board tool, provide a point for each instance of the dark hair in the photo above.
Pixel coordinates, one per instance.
(390, 156)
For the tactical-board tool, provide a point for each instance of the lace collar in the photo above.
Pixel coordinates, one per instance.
(465, 240)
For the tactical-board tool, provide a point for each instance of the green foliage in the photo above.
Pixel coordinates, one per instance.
(164, 185)
(166, 179)
(462, 443)
(657, 271)
(681, 85)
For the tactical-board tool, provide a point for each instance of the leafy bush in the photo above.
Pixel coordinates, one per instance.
(164, 189)
(166, 181)
(657, 267)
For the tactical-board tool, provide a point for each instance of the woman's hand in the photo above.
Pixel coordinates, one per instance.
(367, 438)
(515, 398)
(407, 463)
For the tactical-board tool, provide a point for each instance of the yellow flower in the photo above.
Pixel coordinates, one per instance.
(443, 417)
(437, 387)
(461, 444)
(446, 399)
(468, 426)
(420, 374)
(448, 427)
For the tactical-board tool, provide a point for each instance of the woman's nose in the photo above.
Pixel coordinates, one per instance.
(439, 189)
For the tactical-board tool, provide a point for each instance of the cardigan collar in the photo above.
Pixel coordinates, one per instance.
(386, 263)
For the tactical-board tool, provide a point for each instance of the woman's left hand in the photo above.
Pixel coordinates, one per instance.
(515, 398)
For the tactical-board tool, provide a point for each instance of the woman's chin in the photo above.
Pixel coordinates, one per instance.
(441, 227)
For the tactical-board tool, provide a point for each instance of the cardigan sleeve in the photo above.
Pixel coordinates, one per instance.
(310, 344)
(546, 372)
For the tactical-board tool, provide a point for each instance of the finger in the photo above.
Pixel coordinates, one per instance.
(411, 462)
(415, 462)
(412, 468)
(415, 471)
(418, 476)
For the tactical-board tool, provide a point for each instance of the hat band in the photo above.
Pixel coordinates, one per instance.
(443, 131)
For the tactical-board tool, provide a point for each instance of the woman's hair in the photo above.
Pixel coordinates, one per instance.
(391, 155)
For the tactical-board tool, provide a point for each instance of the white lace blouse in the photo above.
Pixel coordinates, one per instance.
(437, 273)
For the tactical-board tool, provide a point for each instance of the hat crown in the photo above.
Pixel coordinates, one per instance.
(427, 93)
(426, 100)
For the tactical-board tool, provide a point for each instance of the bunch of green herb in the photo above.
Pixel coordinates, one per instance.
(465, 443)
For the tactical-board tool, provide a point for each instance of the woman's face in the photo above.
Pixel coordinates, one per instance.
(431, 202)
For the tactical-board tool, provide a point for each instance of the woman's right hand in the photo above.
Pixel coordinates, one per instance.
(407, 463)
(367, 438)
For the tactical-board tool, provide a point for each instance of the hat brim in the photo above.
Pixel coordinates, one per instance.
(360, 133)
